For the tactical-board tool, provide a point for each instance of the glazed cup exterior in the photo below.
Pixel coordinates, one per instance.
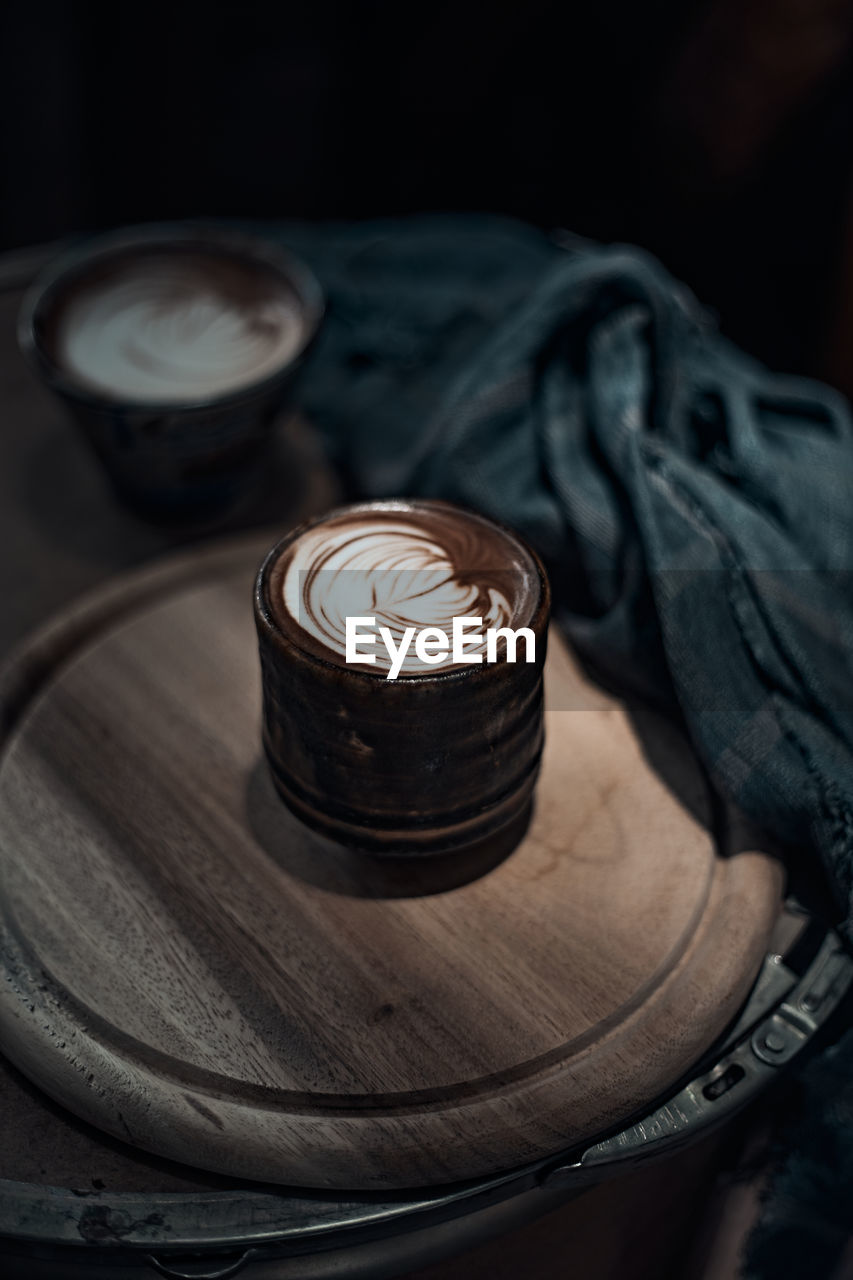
(424, 764)
(189, 459)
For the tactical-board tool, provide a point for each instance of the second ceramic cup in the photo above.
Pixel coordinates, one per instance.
(445, 754)
(173, 347)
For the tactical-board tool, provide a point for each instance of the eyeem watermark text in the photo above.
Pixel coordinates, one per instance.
(433, 645)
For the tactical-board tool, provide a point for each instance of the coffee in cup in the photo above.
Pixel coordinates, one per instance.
(379, 733)
(173, 348)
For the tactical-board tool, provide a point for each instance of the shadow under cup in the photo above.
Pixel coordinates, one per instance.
(433, 762)
(165, 388)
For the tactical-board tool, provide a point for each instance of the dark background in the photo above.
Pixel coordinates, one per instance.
(719, 133)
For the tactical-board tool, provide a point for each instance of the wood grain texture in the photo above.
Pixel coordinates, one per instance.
(188, 968)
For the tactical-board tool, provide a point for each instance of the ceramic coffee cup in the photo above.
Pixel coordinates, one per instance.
(173, 348)
(392, 754)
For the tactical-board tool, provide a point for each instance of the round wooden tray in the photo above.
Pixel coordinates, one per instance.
(190, 969)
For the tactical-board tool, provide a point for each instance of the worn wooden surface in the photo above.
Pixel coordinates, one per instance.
(196, 973)
(61, 533)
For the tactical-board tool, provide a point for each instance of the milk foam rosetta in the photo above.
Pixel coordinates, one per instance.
(176, 328)
(414, 568)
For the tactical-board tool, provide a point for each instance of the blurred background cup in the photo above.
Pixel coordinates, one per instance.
(174, 347)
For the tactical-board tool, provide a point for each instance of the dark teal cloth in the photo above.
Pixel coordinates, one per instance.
(694, 510)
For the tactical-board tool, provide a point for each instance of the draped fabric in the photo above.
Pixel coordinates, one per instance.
(694, 510)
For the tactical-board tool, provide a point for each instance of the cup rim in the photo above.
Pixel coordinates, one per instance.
(76, 260)
(266, 618)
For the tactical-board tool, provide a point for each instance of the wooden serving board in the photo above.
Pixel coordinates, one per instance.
(188, 968)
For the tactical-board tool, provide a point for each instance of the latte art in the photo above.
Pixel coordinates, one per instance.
(168, 329)
(405, 570)
(428, 758)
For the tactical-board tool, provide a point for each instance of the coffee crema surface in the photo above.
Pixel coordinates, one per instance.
(175, 326)
(430, 757)
(405, 565)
